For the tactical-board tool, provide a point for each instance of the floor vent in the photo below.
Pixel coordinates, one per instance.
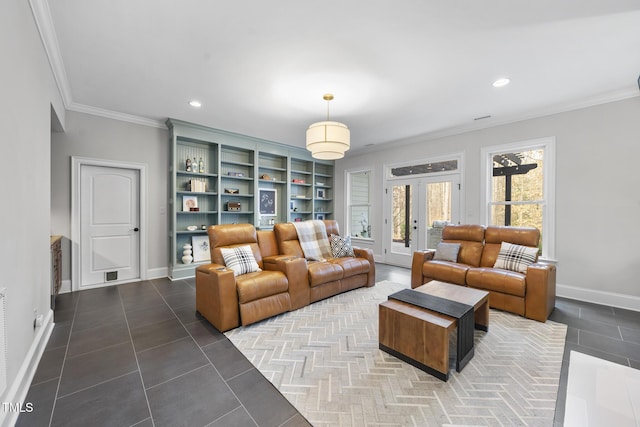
(111, 275)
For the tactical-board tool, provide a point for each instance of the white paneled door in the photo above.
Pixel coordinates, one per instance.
(109, 225)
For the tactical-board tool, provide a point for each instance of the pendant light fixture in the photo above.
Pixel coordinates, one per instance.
(328, 140)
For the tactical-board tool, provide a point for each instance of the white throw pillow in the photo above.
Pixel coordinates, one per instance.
(240, 260)
(516, 257)
(447, 252)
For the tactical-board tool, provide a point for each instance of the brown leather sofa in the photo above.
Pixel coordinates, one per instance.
(531, 294)
(335, 275)
(287, 282)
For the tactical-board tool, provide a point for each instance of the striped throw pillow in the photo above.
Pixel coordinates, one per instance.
(516, 257)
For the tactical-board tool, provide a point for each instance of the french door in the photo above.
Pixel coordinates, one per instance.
(418, 208)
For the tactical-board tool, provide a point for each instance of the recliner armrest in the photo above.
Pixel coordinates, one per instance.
(418, 260)
(217, 296)
(540, 296)
(367, 254)
(296, 271)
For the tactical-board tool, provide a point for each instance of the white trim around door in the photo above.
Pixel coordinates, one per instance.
(76, 165)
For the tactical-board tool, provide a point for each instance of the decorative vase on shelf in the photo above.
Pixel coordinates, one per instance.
(186, 254)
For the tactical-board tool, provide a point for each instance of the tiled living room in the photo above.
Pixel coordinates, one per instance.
(442, 114)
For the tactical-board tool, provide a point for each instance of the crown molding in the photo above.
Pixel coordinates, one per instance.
(44, 23)
(115, 115)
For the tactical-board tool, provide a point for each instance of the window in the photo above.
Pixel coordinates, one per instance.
(520, 183)
(358, 205)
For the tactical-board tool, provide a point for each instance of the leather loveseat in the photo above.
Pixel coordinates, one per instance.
(530, 294)
(335, 275)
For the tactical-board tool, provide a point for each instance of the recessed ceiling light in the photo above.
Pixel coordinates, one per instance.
(501, 82)
(195, 104)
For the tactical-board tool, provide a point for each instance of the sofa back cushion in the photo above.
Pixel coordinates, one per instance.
(267, 243)
(287, 238)
(230, 236)
(470, 238)
(332, 227)
(495, 235)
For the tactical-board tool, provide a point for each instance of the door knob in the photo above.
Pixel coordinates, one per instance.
(136, 229)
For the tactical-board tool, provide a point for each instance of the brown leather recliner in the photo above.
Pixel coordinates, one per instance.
(227, 301)
(335, 275)
(531, 294)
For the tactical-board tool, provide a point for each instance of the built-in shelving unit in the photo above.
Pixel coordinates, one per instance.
(242, 180)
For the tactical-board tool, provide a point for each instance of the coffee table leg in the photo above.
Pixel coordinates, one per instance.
(482, 317)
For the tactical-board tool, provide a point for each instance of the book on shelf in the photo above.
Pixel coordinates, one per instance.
(196, 186)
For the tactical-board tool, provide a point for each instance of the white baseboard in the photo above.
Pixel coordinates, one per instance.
(158, 273)
(65, 286)
(627, 302)
(20, 387)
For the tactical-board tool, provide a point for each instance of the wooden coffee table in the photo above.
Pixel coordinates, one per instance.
(420, 336)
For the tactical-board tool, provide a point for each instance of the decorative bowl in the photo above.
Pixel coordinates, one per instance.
(192, 227)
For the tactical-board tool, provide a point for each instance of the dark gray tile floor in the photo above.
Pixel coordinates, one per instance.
(139, 355)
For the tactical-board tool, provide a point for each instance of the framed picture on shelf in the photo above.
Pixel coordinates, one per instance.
(268, 201)
(200, 248)
(189, 202)
(320, 217)
(320, 193)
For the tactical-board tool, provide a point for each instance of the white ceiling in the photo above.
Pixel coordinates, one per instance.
(397, 69)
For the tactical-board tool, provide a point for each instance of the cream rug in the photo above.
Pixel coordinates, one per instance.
(324, 359)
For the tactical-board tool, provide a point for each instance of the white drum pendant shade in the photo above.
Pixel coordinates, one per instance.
(328, 140)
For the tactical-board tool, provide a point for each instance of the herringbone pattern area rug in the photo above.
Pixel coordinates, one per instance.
(325, 360)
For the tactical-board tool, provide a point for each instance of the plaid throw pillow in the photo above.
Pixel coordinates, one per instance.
(516, 257)
(341, 246)
(240, 260)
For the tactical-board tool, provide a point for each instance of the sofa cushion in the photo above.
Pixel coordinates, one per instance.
(497, 280)
(450, 272)
(323, 272)
(341, 246)
(351, 266)
(515, 257)
(240, 259)
(447, 252)
(254, 286)
(495, 235)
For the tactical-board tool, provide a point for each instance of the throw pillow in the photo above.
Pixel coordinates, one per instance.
(447, 252)
(240, 260)
(516, 257)
(341, 246)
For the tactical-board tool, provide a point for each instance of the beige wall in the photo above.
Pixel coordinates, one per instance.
(107, 139)
(597, 197)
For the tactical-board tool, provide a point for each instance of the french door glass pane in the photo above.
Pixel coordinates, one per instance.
(438, 211)
(398, 219)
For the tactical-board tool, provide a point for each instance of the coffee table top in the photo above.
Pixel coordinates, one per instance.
(462, 294)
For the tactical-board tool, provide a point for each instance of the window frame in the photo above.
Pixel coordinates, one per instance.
(349, 174)
(548, 144)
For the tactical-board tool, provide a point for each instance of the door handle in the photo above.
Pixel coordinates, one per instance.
(136, 229)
